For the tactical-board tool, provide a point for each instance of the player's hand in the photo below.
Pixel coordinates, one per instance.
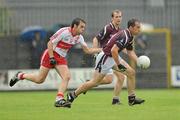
(52, 61)
(142, 67)
(95, 55)
(122, 68)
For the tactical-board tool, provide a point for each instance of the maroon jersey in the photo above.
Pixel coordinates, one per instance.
(106, 33)
(123, 39)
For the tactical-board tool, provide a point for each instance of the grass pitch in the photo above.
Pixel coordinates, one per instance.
(95, 105)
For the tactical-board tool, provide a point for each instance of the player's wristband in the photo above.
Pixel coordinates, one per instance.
(52, 61)
(122, 68)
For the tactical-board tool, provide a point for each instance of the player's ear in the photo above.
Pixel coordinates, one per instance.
(75, 26)
(130, 28)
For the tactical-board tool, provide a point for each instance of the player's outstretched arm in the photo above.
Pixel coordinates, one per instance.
(95, 43)
(88, 50)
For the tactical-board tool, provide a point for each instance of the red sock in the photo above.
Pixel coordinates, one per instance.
(21, 76)
(59, 96)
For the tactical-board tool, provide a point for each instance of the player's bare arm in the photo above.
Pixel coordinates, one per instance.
(132, 55)
(50, 49)
(115, 54)
(88, 50)
(95, 43)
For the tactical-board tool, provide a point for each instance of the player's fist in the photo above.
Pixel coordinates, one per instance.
(52, 61)
(122, 68)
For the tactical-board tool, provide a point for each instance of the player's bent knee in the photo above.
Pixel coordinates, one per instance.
(67, 78)
(108, 81)
(120, 77)
(131, 73)
(40, 80)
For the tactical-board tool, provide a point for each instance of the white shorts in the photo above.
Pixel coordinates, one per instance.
(104, 63)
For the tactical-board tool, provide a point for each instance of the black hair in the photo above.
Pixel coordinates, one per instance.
(77, 21)
(132, 22)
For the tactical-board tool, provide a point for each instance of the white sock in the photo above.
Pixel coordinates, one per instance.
(59, 96)
(116, 97)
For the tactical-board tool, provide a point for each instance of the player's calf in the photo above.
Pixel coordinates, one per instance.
(86, 91)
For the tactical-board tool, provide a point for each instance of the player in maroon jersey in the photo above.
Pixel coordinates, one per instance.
(100, 41)
(109, 58)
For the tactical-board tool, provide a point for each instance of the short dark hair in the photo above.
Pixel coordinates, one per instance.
(115, 11)
(132, 22)
(77, 21)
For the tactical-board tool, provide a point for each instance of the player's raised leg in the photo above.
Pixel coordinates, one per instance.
(97, 77)
(38, 77)
(106, 80)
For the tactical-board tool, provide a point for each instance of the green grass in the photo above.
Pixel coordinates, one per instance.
(95, 105)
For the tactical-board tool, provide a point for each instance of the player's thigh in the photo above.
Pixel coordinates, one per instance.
(108, 77)
(63, 71)
(97, 76)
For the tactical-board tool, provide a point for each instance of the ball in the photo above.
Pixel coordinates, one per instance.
(143, 62)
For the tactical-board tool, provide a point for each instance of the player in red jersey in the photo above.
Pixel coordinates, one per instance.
(54, 57)
(109, 58)
(101, 40)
